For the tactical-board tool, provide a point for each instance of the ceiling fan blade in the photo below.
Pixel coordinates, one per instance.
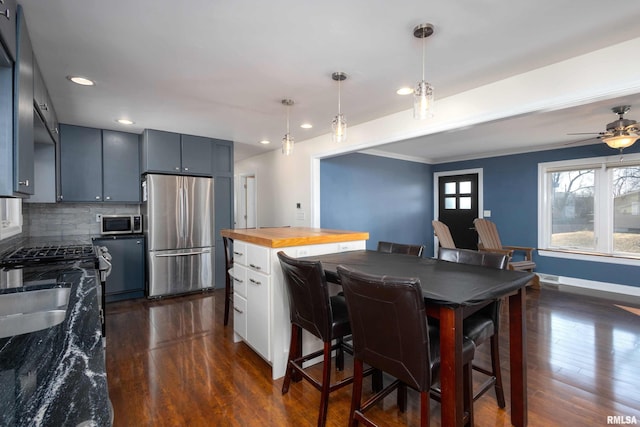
(585, 133)
(581, 140)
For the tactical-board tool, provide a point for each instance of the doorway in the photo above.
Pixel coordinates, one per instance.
(459, 202)
(246, 212)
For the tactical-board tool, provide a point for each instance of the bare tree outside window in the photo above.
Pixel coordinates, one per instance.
(573, 209)
(626, 209)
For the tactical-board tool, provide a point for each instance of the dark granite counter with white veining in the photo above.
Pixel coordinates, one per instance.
(57, 376)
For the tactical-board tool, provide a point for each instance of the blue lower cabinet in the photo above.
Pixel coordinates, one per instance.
(126, 280)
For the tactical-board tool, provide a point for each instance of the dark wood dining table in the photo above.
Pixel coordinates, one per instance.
(450, 292)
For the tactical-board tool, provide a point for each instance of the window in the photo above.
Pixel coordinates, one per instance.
(591, 206)
(10, 217)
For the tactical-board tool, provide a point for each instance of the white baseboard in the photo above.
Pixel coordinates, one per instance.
(589, 284)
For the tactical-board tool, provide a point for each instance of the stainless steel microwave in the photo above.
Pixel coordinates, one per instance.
(121, 224)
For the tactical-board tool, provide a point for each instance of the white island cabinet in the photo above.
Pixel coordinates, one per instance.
(260, 301)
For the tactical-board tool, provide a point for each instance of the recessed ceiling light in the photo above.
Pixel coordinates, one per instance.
(125, 121)
(83, 81)
(306, 126)
(265, 142)
(404, 91)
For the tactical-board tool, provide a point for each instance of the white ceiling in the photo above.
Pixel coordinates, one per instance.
(221, 68)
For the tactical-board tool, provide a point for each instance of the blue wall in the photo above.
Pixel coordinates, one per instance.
(511, 194)
(391, 199)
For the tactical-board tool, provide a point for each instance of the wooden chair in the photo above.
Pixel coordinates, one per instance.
(443, 234)
(490, 242)
(391, 333)
(483, 324)
(399, 248)
(228, 280)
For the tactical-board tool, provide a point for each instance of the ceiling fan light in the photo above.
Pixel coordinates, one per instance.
(423, 101)
(620, 141)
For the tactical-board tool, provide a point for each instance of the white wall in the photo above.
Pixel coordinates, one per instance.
(283, 181)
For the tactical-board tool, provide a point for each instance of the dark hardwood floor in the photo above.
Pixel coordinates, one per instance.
(173, 363)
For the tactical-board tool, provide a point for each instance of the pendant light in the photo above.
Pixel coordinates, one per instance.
(339, 124)
(287, 141)
(423, 93)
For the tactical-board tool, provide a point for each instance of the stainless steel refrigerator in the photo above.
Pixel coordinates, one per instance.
(178, 225)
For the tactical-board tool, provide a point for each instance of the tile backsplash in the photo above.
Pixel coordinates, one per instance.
(65, 219)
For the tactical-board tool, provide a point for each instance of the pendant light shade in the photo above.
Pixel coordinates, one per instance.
(287, 140)
(423, 93)
(339, 124)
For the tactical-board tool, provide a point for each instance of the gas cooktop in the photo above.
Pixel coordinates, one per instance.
(45, 254)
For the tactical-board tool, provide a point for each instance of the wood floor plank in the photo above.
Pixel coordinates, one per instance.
(171, 362)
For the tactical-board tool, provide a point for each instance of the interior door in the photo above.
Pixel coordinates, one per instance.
(458, 207)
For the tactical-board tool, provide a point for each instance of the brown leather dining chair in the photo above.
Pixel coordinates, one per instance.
(400, 248)
(312, 309)
(390, 332)
(228, 279)
(484, 323)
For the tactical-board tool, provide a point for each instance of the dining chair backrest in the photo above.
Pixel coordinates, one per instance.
(468, 256)
(228, 252)
(388, 325)
(443, 234)
(400, 248)
(309, 305)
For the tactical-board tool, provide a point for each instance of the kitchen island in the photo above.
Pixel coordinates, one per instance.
(57, 376)
(260, 302)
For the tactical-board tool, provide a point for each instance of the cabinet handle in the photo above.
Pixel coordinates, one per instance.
(6, 13)
(257, 267)
(138, 242)
(186, 169)
(237, 280)
(98, 197)
(238, 253)
(55, 130)
(25, 182)
(177, 169)
(44, 107)
(255, 282)
(237, 309)
(108, 198)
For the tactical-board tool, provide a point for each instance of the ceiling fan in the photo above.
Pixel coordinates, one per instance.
(621, 133)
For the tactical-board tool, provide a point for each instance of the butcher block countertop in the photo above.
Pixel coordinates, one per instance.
(281, 237)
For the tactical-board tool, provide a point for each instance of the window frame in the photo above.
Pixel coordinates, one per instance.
(13, 210)
(603, 208)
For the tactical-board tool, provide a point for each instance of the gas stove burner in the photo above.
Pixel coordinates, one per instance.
(48, 254)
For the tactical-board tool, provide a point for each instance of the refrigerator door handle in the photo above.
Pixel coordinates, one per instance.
(182, 254)
(181, 213)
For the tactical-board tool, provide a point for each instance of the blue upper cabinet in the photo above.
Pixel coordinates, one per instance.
(8, 14)
(196, 155)
(23, 111)
(223, 157)
(168, 152)
(98, 165)
(80, 164)
(120, 167)
(161, 152)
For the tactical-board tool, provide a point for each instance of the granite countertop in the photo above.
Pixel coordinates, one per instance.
(280, 237)
(57, 376)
